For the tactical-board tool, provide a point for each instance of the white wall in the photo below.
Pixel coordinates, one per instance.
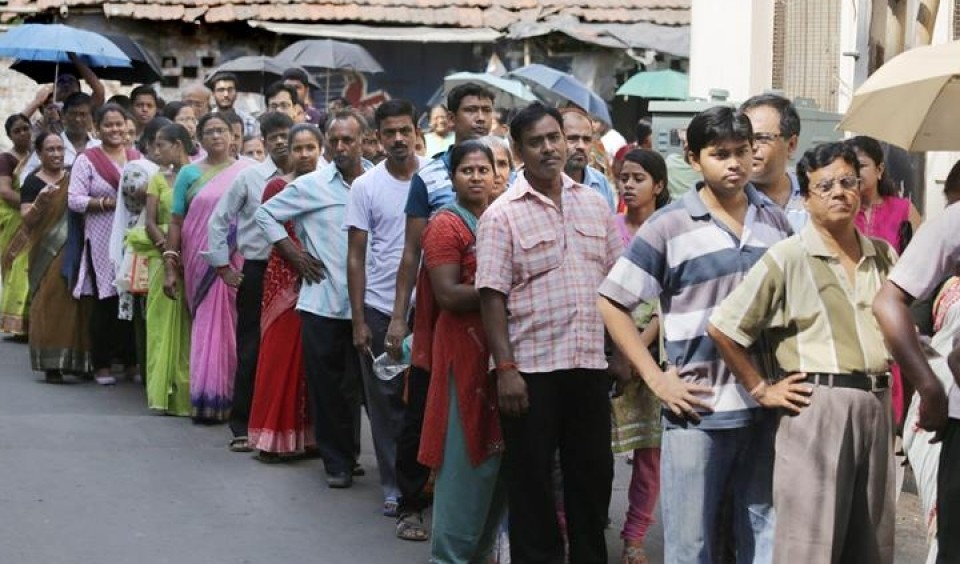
(939, 162)
(731, 47)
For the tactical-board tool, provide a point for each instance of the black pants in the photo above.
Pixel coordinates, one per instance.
(412, 476)
(569, 411)
(249, 298)
(948, 495)
(333, 387)
(110, 337)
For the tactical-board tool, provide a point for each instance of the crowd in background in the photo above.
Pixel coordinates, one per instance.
(512, 297)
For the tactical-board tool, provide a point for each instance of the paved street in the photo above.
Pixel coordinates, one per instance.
(87, 475)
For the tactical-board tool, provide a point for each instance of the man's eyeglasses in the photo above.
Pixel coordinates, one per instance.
(765, 139)
(825, 187)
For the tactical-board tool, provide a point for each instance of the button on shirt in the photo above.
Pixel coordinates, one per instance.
(799, 295)
(317, 204)
(548, 262)
(690, 262)
(240, 203)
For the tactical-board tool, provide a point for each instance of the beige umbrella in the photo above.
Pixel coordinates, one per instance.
(912, 101)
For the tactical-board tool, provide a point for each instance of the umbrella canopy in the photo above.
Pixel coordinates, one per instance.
(509, 93)
(54, 43)
(254, 73)
(143, 68)
(325, 54)
(659, 84)
(912, 101)
(558, 87)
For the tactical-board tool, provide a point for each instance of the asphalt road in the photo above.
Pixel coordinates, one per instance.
(88, 476)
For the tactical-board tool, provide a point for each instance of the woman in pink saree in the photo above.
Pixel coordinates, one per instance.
(196, 192)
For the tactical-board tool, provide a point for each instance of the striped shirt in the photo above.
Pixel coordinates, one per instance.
(317, 204)
(826, 324)
(690, 262)
(548, 262)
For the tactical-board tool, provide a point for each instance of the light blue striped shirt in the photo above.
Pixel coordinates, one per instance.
(317, 204)
(596, 180)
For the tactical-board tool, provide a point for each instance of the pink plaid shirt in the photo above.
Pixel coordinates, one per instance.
(549, 263)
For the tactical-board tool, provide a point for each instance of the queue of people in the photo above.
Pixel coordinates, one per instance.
(260, 272)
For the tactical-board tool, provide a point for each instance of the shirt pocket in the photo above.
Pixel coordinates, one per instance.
(591, 240)
(540, 252)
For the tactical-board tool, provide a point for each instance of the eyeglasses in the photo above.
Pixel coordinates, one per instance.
(766, 139)
(215, 131)
(825, 187)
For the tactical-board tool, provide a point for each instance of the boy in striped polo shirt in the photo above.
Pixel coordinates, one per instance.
(691, 255)
(833, 477)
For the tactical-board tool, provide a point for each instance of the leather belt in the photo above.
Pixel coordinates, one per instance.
(854, 380)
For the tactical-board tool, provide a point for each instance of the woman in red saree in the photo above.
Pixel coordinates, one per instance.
(279, 417)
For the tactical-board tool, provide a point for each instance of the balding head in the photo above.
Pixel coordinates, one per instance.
(197, 96)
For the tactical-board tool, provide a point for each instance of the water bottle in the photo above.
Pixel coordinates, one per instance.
(387, 368)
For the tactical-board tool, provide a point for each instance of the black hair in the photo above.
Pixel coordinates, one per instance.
(873, 149)
(171, 109)
(233, 118)
(105, 109)
(177, 133)
(656, 167)
(525, 118)
(12, 121)
(78, 99)
(643, 130)
(462, 150)
(274, 121)
(205, 118)
(504, 115)
(121, 100)
(309, 128)
(278, 87)
(348, 113)
(225, 77)
(396, 107)
(250, 137)
(40, 138)
(298, 74)
(952, 183)
(822, 155)
(789, 119)
(717, 125)
(146, 90)
(150, 132)
(340, 100)
(456, 96)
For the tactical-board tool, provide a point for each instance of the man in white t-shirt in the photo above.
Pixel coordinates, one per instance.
(375, 222)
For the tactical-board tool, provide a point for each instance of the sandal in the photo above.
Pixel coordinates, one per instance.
(239, 444)
(410, 528)
(391, 508)
(633, 553)
(268, 457)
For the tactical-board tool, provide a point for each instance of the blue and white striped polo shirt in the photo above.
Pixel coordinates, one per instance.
(691, 262)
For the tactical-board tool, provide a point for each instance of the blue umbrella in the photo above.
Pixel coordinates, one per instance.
(559, 87)
(54, 43)
(509, 93)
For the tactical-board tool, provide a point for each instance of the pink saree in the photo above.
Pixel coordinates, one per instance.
(213, 349)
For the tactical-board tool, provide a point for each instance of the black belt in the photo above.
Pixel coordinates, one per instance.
(854, 380)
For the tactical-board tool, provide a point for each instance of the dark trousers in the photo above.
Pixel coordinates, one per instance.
(948, 495)
(333, 387)
(569, 411)
(412, 476)
(110, 337)
(249, 298)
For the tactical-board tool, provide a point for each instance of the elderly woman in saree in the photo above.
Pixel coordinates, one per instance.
(94, 189)
(213, 354)
(59, 330)
(14, 303)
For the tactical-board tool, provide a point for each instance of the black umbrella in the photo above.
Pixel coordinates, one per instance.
(254, 72)
(144, 69)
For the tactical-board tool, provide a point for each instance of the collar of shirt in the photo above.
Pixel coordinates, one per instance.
(697, 209)
(813, 243)
(268, 168)
(521, 188)
(331, 173)
(794, 185)
(593, 177)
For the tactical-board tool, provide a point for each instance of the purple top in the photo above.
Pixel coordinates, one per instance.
(86, 184)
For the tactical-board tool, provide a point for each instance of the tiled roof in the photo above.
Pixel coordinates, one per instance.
(496, 14)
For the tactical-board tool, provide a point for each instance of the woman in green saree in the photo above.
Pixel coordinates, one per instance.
(168, 321)
(14, 299)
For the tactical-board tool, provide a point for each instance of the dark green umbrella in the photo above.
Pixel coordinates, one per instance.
(659, 84)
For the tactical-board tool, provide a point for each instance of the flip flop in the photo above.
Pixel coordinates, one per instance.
(410, 530)
(239, 444)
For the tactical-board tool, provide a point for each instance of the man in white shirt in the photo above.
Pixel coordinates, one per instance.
(77, 122)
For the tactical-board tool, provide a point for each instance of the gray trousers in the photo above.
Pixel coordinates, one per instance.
(385, 407)
(833, 480)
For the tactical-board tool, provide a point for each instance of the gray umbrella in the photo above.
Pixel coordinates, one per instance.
(326, 54)
(254, 72)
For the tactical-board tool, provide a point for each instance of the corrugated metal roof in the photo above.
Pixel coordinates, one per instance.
(497, 14)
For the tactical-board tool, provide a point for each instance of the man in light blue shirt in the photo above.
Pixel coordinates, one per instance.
(316, 204)
(237, 208)
(578, 129)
